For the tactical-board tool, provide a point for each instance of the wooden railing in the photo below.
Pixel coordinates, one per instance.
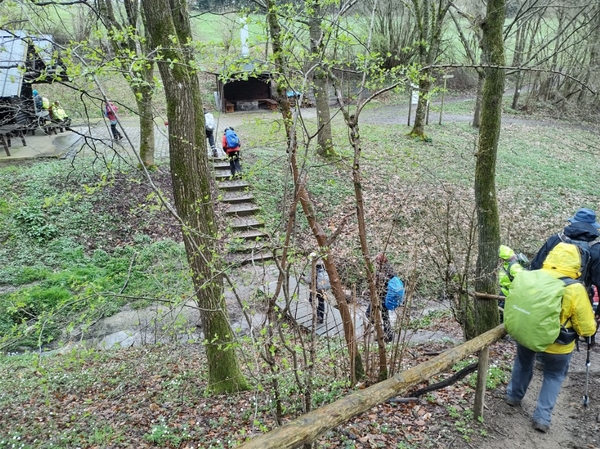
(308, 427)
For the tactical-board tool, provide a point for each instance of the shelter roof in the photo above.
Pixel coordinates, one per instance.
(24, 58)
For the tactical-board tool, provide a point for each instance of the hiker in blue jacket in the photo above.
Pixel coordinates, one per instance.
(384, 272)
(231, 145)
(562, 261)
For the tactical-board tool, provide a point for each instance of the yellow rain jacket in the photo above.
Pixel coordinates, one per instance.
(564, 260)
(509, 269)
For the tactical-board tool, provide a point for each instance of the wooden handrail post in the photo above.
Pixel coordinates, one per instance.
(482, 372)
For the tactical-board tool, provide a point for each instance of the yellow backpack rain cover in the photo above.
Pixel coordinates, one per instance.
(532, 309)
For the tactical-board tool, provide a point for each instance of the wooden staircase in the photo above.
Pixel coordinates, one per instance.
(247, 241)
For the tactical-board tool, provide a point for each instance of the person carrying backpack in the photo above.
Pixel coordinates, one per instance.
(537, 308)
(231, 146)
(384, 272)
(209, 126)
(41, 105)
(582, 231)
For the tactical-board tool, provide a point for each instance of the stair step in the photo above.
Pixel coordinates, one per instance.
(233, 184)
(245, 223)
(236, 197)
(220, 176)
(244, 259)
(251, 234)
(220, 163)
(240, 246)
(242, 209)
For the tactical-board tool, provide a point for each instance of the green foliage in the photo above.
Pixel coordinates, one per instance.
(35, 224)
(429, 319)
(53, 282)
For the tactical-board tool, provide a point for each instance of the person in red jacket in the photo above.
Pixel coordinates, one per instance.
(231, 146)
(110, 111)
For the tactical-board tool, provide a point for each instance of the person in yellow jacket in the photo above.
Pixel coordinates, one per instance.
(509, 269)
(563, 260)
(58, 114)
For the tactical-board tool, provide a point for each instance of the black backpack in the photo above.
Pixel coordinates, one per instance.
(586, 258)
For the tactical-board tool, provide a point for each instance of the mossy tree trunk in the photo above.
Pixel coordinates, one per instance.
(430, 15)
(169, 28)
(320, 78)
(486, 311)
(128, 38)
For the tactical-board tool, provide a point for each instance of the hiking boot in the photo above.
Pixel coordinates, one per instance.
(214, 151)
(513, 402)
(540, 427)
(320, 320)
(389, 337)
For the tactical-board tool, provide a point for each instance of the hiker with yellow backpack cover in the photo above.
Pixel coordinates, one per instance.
(545, 312)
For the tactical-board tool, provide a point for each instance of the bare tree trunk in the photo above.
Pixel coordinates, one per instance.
(362, 233)
(486, 312)
(169, 28)
(593, 45)
(478, 99)
(517, 59)
(430, 19)
(143, 98)
(305, 202)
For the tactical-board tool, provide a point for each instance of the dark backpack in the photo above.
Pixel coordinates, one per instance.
(232, 139)
(586, 258)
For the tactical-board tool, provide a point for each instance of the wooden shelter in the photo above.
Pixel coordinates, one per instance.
(24, 61)
(250, 94)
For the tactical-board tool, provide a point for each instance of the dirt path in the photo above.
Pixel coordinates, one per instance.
(573, 426)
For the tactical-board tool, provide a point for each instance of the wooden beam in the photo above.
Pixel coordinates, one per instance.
(482, 372)
(489, 296)
(306, 428)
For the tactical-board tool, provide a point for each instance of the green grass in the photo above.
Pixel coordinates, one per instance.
(59, 264)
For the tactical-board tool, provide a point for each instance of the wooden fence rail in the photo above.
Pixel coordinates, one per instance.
(308, 427)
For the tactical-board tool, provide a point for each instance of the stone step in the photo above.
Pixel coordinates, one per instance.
(251, 234)
(220, 163)
(242, 209)
(239, 246)
(236, 197)
(245, 259)
(222, 175)
(245, 224)
(233, 184)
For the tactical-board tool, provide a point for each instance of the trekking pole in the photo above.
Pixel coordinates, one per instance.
(586, 398)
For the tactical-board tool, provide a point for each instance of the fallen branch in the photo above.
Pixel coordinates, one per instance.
(449, 381)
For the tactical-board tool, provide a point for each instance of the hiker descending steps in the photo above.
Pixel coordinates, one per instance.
(545, 312)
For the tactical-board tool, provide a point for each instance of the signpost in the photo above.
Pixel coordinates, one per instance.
(446, 77)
